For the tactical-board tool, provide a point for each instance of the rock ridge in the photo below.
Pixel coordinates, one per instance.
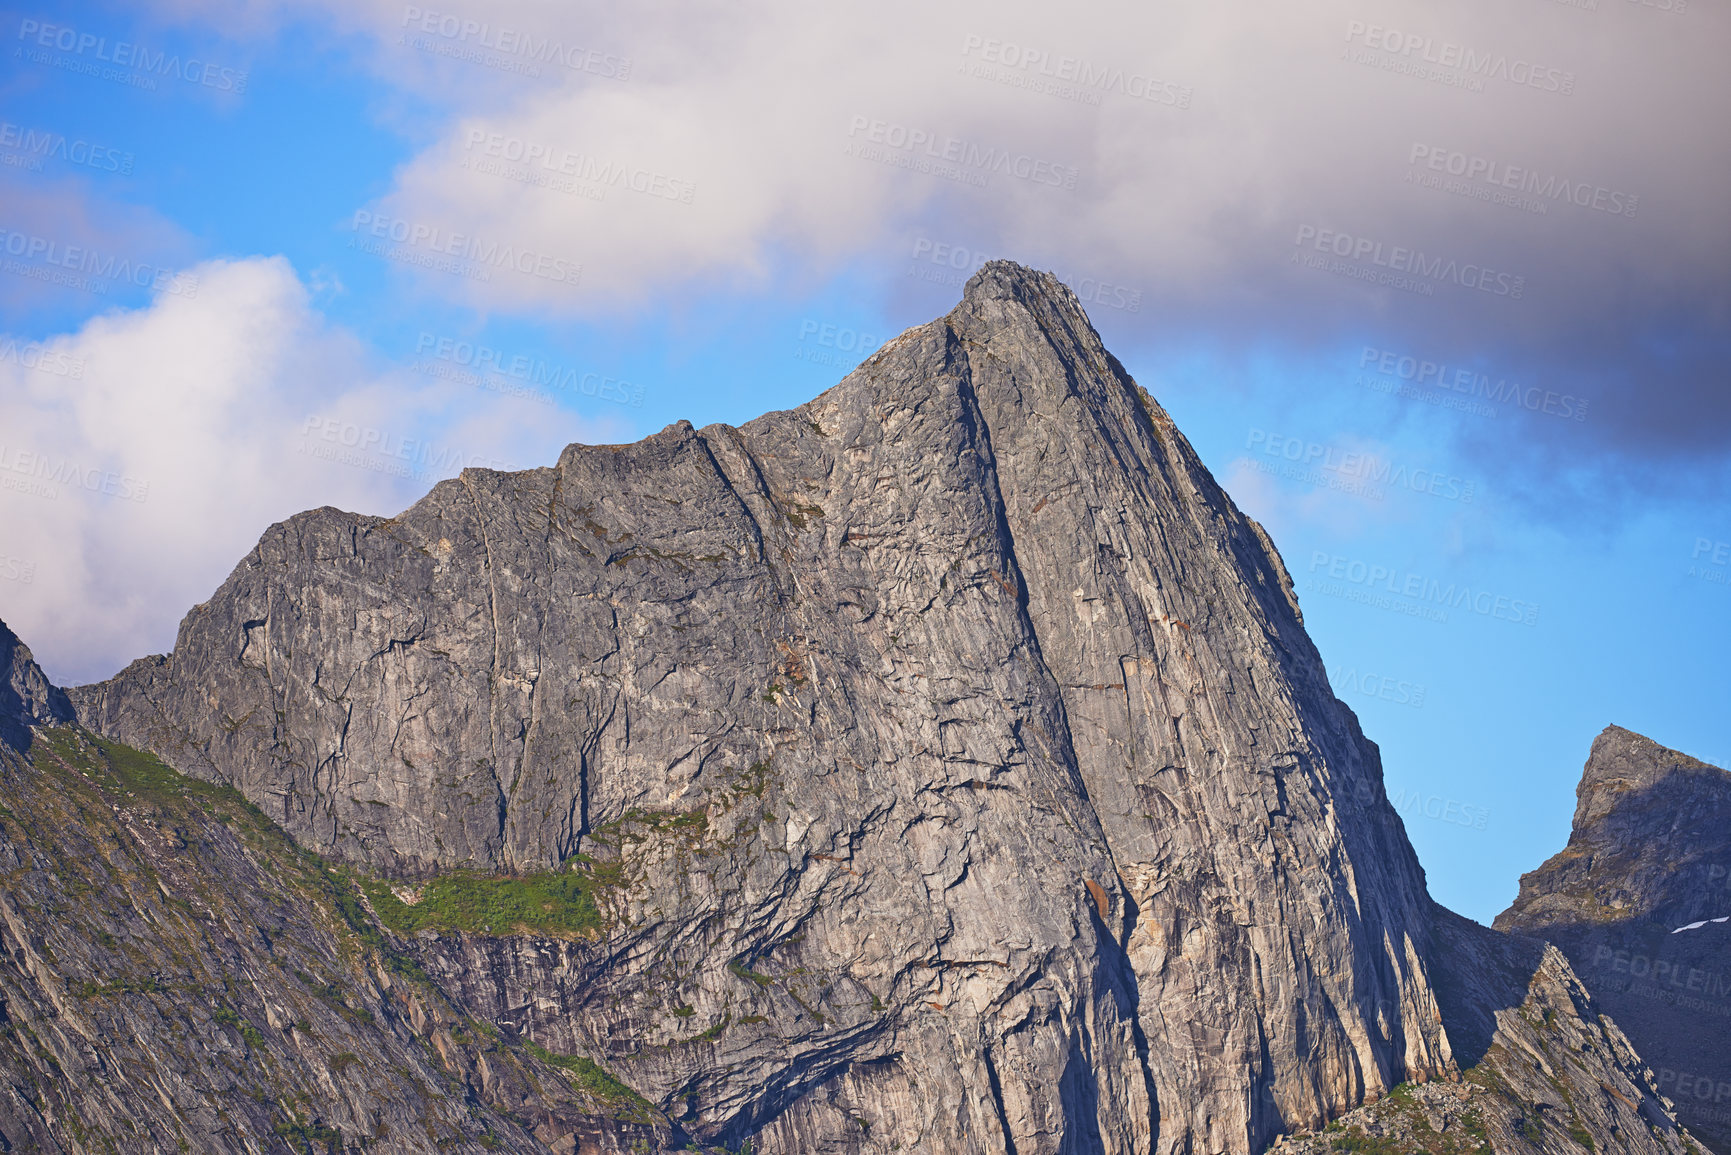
(964, 773)
(27, 698)
(1649, 853)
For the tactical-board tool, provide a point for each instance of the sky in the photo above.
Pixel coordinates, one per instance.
(1442, 297)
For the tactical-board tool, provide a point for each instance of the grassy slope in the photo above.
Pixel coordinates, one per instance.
(155, 921)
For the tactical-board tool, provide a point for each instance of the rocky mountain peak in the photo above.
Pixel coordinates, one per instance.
(27, 698)
(981, 689)
(1632, 900)
(1651, 841)
(1625, 767)
(944, 762)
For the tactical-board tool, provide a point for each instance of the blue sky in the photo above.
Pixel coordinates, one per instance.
(1217, 188)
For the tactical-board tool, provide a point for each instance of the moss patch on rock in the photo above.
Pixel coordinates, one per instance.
(558, 902)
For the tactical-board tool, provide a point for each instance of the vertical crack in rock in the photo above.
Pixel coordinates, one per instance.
(494, 668)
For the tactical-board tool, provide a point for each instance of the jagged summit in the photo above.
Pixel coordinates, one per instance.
(1623, 762)
(27, 698)
(947, 755)
(1650, 851)
(1651, 840)
(1015, 283)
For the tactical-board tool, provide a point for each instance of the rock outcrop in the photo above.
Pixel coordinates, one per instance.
(27, 698)
(1550, 1075)
(1640, 901)
(941, 765)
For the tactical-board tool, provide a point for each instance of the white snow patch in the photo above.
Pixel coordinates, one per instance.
(1701, 923)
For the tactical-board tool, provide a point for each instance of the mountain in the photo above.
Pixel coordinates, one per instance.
(27, 699)
(990, 708)
(1640, 901)
(941, 765)
(175, 974)
(1550, 1075)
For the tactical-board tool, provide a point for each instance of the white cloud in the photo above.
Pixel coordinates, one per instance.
(143, 455)
(1322, 115)
(1264, 121)
(1261, 121)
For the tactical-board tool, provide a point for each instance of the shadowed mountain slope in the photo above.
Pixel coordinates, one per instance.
(1649, 854)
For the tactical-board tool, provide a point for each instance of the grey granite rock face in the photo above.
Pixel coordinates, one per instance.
(1650, 853)
(27, 698)
(971, 780)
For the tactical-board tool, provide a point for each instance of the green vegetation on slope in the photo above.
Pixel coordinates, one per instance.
(1405, 1130)
(554, 902)
(562, 902)
(92, 775)
(595, 1079)
(137, 774)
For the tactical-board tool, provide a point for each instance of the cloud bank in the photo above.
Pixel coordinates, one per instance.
(1533, 189)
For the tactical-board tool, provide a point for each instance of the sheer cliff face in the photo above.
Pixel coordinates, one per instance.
(1649, 854)
(1025, 818)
